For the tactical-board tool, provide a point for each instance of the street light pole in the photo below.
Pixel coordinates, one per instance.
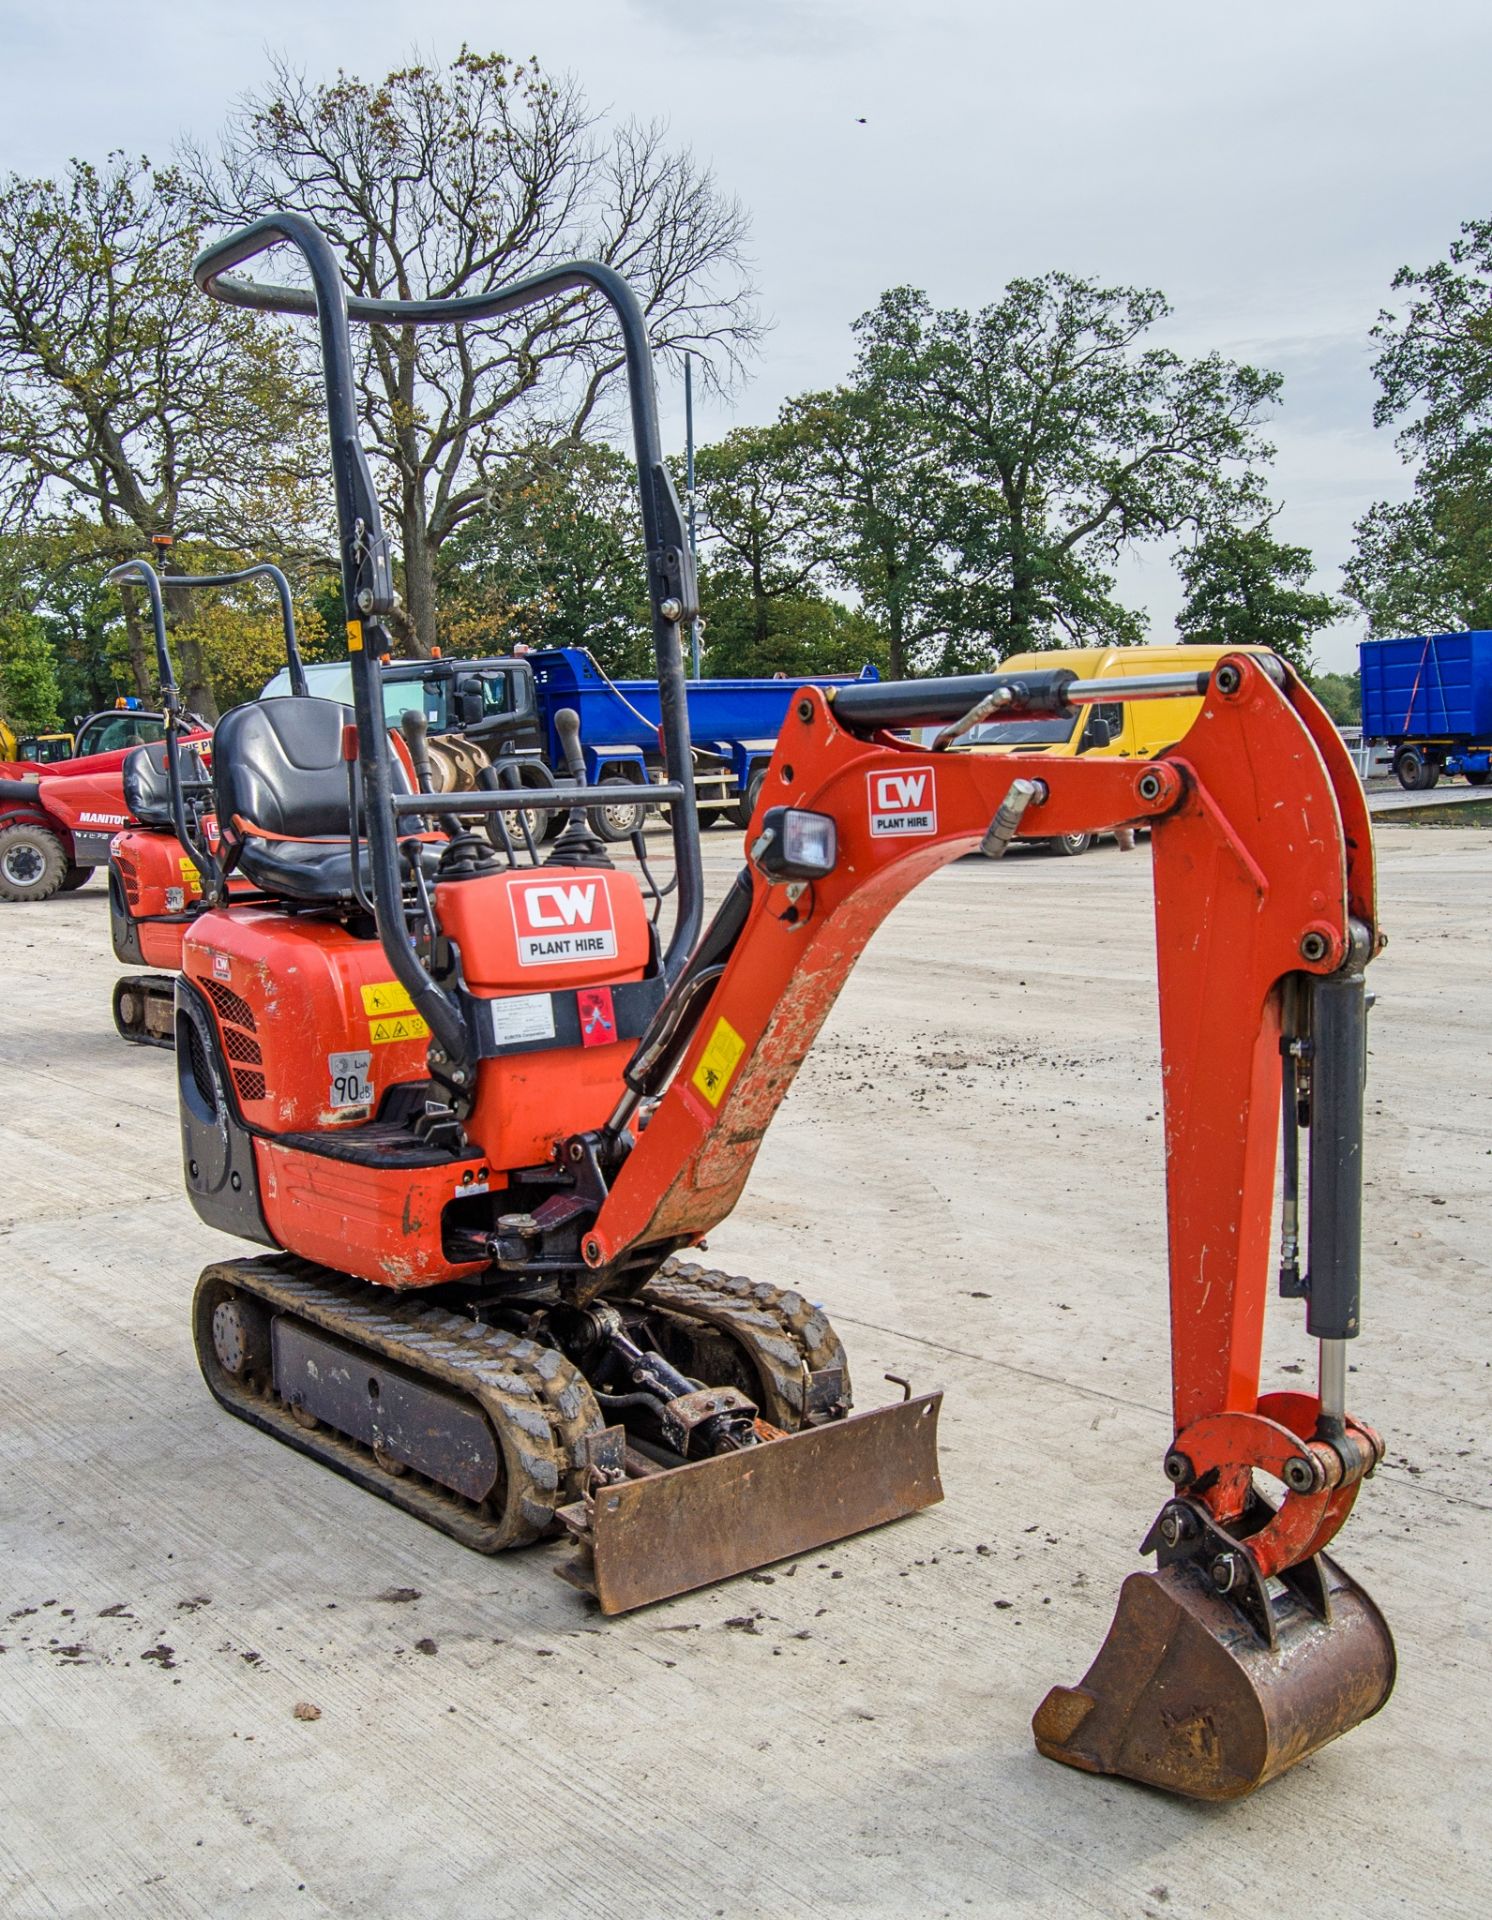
(694, 624)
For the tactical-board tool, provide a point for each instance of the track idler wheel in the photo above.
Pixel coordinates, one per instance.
(1210, 1694)
(145, 1009)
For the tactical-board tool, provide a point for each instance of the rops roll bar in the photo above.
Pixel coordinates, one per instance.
(367, 578)
(142, 573)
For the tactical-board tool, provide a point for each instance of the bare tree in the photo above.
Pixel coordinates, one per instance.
(129, 405)
(436, 182)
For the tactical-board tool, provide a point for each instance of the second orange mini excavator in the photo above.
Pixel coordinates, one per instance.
(477, 1109)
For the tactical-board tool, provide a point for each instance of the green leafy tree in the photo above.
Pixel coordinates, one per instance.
(1340, 694)
(555, 559)
(1061, 441)
(1426, 564)
(805, 633)
(882, 493)
(438, 182)
(30, 698)
(1244, 588)
(129, 404)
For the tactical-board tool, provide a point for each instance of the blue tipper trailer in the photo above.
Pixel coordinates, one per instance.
(733, 724)
(1429, 698)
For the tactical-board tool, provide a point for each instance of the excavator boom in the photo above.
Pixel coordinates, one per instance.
(1265, 920)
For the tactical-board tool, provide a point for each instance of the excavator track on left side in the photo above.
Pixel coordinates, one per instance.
(475, 1430)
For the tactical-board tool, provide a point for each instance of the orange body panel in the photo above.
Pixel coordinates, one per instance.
(310, 1017)
(380, 1224)
(297, 1000)
(521, 937)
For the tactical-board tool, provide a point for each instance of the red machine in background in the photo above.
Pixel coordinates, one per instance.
(476, 1109)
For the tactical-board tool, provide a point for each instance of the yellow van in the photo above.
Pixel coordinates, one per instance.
(1120, 730)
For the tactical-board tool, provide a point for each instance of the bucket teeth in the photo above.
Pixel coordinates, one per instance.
(1187, 1694)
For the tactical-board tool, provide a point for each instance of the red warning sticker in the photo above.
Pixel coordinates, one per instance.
(597, 1016)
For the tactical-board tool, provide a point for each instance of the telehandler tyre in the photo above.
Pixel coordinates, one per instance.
(33, 864)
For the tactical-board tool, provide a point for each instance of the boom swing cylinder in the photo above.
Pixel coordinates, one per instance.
(474, 1306)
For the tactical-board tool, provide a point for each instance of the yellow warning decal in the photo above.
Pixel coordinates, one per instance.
(399, 1026)
(391, 1013)
(386, 996)
(354, 636)
(718, 1062)
(190, 874)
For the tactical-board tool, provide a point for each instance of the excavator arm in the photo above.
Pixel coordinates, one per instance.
(1265, 919)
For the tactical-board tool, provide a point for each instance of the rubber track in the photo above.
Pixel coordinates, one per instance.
(783, 1332)
(537, 1403)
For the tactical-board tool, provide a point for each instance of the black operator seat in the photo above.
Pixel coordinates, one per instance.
(147, 784)
(281, 788)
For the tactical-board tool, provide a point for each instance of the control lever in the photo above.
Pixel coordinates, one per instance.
(416, 730)
(578, 845)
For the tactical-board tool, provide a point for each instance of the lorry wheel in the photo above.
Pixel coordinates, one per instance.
(74, 878)
(746, 806)
(1415, 771)
(1478, 777)
(1070, 844)
(621, 821)
(33, 865)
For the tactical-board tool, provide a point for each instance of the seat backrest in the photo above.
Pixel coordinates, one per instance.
(277, 764)
(147, 784)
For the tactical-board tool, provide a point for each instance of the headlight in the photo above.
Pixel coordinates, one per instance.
(794, 845)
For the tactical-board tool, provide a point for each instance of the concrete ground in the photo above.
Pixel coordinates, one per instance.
(968, 1174)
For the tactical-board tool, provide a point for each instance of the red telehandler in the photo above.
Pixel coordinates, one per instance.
(156, 865)
(477, 1109)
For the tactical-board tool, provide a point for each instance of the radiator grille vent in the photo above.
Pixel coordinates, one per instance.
(230, 1005)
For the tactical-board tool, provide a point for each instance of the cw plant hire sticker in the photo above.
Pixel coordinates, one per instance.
(391, 1014)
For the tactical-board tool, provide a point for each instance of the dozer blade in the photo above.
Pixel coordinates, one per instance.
(669, 1532)
(1185, 1694)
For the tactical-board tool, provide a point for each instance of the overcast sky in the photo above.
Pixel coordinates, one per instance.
(1267, 165)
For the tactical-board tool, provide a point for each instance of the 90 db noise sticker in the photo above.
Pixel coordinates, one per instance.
(350, 1084)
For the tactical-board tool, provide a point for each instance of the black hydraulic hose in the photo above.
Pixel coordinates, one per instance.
(669, 1031)
(28, 789)
(673, 591)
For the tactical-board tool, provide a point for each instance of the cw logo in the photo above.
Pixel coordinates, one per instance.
(900, 792)
(554, 906)
(558, 922)
(903, 802)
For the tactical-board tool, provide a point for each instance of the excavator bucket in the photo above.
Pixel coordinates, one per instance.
(668, 1532)
(1189, 1694)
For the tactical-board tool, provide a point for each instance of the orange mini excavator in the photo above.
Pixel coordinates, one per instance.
(155, 867)
(478, 1109)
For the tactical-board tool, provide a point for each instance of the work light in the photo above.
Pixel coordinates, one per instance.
(795, 845)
